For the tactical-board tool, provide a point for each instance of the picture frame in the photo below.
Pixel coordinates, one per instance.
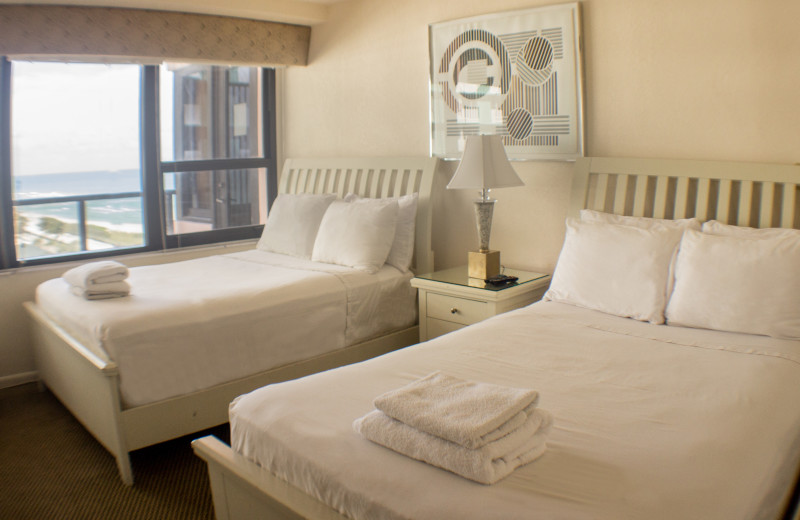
(517, 74)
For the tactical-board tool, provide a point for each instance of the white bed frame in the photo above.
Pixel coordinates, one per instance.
(758, 195)
(88, 384)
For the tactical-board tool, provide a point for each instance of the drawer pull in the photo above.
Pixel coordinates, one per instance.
(454, 310)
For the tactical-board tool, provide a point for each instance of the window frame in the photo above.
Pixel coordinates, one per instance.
(154, 223)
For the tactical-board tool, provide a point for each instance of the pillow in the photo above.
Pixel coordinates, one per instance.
(357, 234)
(620, 270)
(293, 223)
(716, 227)
(737, 284)
(403, 246)
(590, 215)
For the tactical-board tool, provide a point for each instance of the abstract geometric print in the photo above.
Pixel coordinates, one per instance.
(512, 74)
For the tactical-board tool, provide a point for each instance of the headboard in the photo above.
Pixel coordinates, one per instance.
(745, 194)
(371, 177)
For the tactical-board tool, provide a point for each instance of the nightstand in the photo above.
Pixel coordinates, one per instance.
(450, 300)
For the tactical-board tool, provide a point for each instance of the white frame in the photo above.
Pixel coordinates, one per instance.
(241, 489)
(88, 384)
(537, 107)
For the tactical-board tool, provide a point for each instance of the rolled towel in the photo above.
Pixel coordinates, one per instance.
(92, 273)
(467, 413)
(486, 465)
(102, 291)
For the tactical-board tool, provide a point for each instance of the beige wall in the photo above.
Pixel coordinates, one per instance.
(700, 79)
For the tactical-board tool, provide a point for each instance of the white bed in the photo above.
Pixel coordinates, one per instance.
(167, 360)
(651, 421)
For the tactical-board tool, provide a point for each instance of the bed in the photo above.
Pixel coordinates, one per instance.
(167, 361)
(651, 420)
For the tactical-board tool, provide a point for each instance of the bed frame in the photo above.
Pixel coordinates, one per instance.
(88, 384)
(758, 195)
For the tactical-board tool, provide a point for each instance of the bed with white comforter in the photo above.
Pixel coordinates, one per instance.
(649, 422)
(191, 325)
(667, 350)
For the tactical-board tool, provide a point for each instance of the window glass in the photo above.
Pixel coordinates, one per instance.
(210, 112)
(76, 176)
(215, 199)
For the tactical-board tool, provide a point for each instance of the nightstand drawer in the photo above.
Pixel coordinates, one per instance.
(438, 327)
(456, 310)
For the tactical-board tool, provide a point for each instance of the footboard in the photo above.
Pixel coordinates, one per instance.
(243, 490)
(88, 385)
(85, 383)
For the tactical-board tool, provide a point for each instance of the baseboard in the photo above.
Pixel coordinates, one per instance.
(18, 379)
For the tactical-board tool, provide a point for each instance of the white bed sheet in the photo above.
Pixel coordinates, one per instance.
(651, 422)
(190, 325)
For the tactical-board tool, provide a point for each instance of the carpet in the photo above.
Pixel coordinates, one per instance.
(52, 468)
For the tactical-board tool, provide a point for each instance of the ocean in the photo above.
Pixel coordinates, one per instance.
(119, 214)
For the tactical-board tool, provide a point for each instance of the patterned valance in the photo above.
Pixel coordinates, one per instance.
(139, 35)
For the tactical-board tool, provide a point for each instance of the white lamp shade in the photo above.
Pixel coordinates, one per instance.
(484, 165)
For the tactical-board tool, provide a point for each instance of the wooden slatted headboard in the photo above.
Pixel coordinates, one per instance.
(371, 177)
(745, 194)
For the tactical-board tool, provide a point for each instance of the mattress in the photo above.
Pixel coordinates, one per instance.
(190, 325)
(651, 422)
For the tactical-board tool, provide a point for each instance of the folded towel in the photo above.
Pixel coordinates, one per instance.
(486, 465)
(467, 413)
(102, 291)
(104, 271)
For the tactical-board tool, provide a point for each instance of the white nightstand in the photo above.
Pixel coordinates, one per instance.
(450, 300)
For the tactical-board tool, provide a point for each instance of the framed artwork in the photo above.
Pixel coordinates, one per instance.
(517, 74)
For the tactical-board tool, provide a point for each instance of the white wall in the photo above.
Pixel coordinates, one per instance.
(699, 79)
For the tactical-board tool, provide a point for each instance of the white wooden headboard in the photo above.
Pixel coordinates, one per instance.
(371, 177)
(745, 194)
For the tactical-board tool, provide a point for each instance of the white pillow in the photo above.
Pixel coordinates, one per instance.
(590, 215)
(357, 234)
(403, 246)
(293, 222)
(620, 270)
(737, 284)
(716, 227)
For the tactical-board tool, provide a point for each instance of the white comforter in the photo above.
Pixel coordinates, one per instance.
(191, 325)
(651, 422)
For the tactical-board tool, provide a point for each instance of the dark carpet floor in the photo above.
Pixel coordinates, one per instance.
(52, 468)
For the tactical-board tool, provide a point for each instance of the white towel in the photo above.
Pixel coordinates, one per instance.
(467, 413)
(486, 465)
(102, 291)
(92, 273)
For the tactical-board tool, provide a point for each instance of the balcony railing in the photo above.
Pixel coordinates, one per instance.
(81, 200)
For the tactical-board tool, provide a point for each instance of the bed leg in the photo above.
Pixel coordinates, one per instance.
(125, 470)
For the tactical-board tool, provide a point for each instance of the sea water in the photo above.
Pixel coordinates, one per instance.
(118, 214)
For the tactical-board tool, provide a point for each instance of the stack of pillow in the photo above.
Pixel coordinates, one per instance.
(714, 276)
(362, 233)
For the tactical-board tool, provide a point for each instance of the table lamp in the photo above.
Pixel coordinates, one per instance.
(484, 166)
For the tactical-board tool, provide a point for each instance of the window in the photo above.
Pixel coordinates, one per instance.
(75, 187)
(97, 160)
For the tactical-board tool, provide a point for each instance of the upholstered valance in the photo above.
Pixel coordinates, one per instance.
(138, 35)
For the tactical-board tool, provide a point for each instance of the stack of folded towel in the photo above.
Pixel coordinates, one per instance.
(98, 280)
(480, 431)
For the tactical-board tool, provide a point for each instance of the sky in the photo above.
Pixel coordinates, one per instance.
(63, 121)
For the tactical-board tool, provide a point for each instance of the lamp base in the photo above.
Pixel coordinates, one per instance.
(483, 265)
